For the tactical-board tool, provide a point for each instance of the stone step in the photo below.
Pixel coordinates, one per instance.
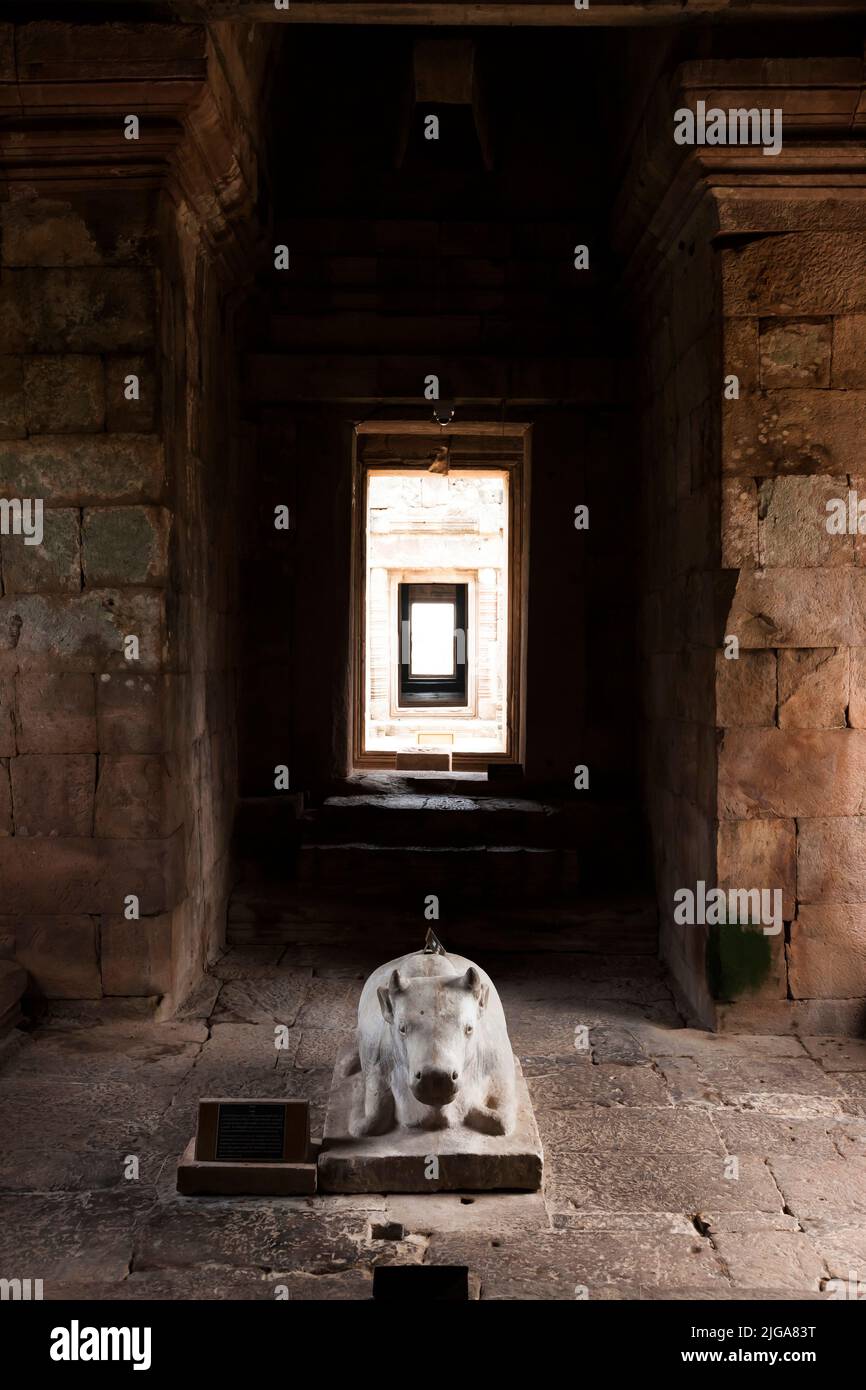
(435, 820)
(295, 914)
(462, 871)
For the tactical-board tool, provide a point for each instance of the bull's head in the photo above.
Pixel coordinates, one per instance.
(435, 1026)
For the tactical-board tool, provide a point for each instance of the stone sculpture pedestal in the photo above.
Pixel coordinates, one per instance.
(398, 1161)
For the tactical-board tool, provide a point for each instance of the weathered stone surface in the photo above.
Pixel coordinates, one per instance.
(843, 1248)
(809, 273)
(746, 689)
(6, 825)
(13, 982)
(400, 1161)
(796, 608)
(747, 1222)
(68, 471)
(784, 432)
(744, 1132)
(264, 1001)
(853, 1088)
(291, 1235)
(224, 1283)
(794, 1016)
(50, 1225)
(447, 1213)
(857, 692)
(831, 860)
(777, 1260)
(86, 229)
(103, 309)
(580, 1085)
(84, 631)
(330, 1004)
(772, 1086)
(71, 876)
(827, 952)
(64, 394)
(837, 1054)
(13, 424)
(60, 955)
(813, 688)
(694, 1042)
(795, 352)
(560, 1265)
(130, 416)
(740, 351)
(56, 713)
(130, 712)
(320, 1047)
(834, 1187)
(759, 854)
(656, 1182)
(792, 523)
(792, 772)
(633, 1127)
(7, 719)
(131, 799)
(53, 566)
(136, 956)
(849, 351)
(125, 545)
(53, 793)
(739, 523)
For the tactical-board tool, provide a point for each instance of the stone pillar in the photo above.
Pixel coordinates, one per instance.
(754, 763)
(118, 255)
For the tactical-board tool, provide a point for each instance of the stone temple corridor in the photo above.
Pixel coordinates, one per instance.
(432, 515)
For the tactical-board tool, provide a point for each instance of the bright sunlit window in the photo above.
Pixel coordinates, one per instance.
(432, 644)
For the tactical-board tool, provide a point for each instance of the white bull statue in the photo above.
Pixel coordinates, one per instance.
(433, 1048)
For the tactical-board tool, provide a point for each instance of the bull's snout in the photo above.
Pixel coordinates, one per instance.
(435, 1087)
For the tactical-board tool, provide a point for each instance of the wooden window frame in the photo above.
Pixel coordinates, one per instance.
(519, 470)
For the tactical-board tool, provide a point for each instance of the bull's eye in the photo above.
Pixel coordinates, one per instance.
(468, 1029)
(402, 1028)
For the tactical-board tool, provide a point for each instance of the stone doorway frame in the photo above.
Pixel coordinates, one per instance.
(519, 469)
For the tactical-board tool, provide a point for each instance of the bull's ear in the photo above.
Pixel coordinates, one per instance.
(473, 981)
(387, 993)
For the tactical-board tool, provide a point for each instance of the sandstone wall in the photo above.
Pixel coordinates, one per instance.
(88, 811)
(792, 708)
(753, 768)
(117, 775)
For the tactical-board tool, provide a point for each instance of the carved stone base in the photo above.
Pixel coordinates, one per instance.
(400, 1161)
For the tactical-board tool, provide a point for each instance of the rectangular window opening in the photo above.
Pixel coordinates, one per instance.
(440, 574)
(433, 646)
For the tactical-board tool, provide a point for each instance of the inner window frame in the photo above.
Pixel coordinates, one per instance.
(424, 690)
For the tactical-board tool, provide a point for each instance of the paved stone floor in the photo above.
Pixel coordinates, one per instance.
(678, 1164)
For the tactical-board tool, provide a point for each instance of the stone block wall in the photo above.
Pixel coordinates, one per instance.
(118, 768)
(795, 333)
(753, 771)
(88, 811)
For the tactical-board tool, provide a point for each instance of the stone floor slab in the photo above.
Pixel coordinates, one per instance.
(829, 1188)
(775, 1260)
(656, 1182)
